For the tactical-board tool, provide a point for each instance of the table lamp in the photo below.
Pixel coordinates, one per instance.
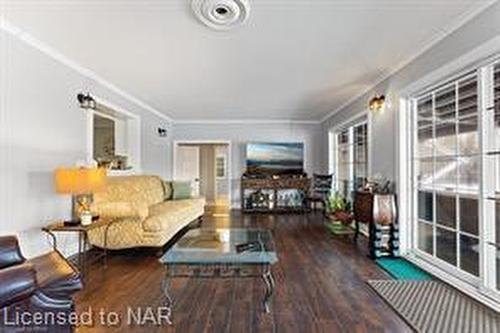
(80, 183)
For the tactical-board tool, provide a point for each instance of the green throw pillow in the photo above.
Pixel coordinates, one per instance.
(167, 190)
(181, 190)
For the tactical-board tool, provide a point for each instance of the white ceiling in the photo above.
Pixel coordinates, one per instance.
(294, 59)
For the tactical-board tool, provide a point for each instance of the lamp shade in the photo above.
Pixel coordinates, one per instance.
(79, 180)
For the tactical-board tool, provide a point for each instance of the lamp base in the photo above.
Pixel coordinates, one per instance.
(79, 203)
(76, 222)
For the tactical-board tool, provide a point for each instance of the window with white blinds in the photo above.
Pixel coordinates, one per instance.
(447, 179)
(456, 175)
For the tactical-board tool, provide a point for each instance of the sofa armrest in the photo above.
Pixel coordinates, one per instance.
(10, 253)
(120, 209)
(18, 283)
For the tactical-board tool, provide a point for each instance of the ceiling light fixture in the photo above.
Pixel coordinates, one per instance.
(221, 14)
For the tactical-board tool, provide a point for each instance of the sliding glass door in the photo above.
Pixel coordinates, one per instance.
(456, 180)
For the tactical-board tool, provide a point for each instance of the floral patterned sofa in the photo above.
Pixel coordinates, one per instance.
(138, 211)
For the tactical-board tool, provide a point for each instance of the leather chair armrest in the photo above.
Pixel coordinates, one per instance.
(10, 253)
(42, 301)
(18, 283)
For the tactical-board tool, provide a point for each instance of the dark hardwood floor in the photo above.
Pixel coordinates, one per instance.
(320, 283)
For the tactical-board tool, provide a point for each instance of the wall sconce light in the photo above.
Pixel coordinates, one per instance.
(162, 132)
(86, 101)
(377, 103)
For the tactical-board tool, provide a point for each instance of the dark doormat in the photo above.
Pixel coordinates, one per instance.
(434, 307)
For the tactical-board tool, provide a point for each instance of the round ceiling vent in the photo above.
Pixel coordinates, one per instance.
(221, 14)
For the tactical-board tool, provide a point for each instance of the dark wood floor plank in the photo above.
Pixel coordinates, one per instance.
(320, 280)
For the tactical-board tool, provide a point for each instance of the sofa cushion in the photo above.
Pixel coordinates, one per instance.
(123, 233)
(145, 189)
(55, 276)
(120, 209)
(170, 214)
(18, 283)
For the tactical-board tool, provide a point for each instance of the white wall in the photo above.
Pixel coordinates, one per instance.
(384, 125)
(156, 151)
(240, 134)
(41, 128)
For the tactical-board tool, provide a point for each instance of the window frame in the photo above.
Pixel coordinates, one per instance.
(362, 118)
(485, 284)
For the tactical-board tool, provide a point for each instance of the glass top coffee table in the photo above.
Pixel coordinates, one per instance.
(221, 253)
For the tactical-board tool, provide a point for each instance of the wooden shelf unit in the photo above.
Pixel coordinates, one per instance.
(275, 185)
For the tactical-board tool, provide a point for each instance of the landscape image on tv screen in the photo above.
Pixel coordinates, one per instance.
(275, 158)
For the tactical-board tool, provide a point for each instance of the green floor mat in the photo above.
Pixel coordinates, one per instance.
(402, 269)
(339, 228)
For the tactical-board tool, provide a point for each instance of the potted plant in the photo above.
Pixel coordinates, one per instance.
(339, 209)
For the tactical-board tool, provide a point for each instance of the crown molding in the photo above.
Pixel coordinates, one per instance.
(27, 38)
(456, 24)
(56, 55)
(245, 121)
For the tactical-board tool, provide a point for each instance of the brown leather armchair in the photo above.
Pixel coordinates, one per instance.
(40, 285)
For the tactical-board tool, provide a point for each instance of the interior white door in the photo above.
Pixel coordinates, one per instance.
(187, 166)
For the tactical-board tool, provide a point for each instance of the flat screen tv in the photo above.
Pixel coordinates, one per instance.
(275, 158)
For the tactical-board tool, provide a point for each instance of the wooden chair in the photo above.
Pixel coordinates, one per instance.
(321, 187)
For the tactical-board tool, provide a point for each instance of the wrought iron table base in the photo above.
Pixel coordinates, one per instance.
(83, 245)
(269, 280)
(218, 271)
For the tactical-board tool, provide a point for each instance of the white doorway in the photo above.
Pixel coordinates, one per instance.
(187, 166)
(207, 165)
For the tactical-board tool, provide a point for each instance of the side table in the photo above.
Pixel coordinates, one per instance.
(83, 241)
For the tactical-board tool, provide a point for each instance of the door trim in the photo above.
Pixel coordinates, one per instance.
(176, 143)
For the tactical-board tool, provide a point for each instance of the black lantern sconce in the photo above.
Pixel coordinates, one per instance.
(86, 101)
(377, 103)
(162, 132)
